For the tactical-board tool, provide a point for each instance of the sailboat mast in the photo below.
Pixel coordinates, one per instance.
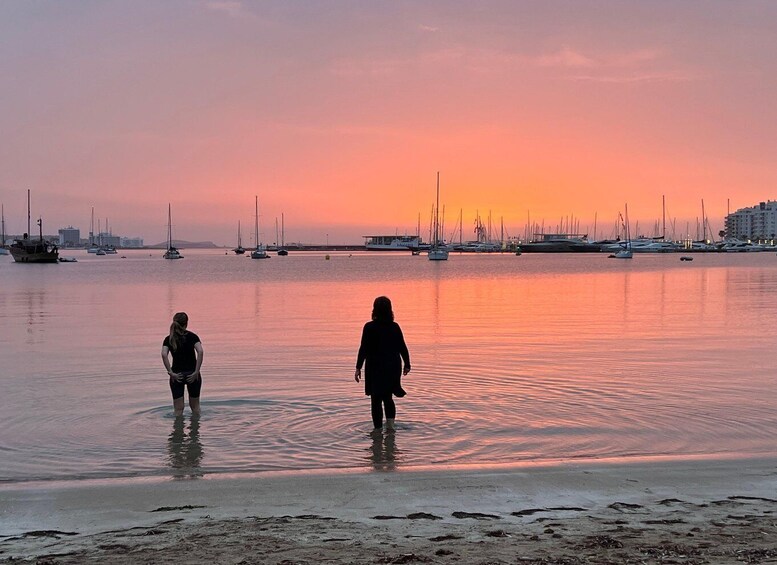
(628, 229)
(283, 230)
(437, 213)
(169, 227)
(461, 226)
(663, 219)
(28, 214)
(256, 220)
(703, 221)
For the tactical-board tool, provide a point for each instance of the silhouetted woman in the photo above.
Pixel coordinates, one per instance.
(383, 348)
(186, 350)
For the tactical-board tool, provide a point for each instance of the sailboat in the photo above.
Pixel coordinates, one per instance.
(239, 250)
(172, 252)
(626, 252)
(26, 250)
(438, 251)
(3, 249)
(100, 248)
(282, 251)
(108, 248)
(261, 250)
(92, 247)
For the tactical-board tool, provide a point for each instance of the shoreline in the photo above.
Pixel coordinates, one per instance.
(384, 467)
(348, 516)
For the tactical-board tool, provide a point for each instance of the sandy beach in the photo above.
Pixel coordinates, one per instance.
(649, 512)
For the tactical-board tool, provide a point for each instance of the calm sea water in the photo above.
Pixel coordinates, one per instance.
(515, 359)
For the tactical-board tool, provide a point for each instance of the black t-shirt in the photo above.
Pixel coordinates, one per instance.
(184, 359)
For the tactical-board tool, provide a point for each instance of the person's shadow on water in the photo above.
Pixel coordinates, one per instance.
(383, 451)
(184, 450)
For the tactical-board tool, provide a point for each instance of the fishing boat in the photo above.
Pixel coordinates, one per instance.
(239, 250)
(261, 250)
(438, 251)
(172, 252)
(27, 250)
(3, 248)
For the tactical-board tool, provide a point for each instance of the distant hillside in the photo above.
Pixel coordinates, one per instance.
(180, 244)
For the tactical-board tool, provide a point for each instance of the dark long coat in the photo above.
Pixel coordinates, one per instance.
(383, 348)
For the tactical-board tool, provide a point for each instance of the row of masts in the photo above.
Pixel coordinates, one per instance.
(569, 225)
(97, 241)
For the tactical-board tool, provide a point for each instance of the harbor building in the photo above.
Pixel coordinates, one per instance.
(69, 237)
(756, 223)
(108, 239)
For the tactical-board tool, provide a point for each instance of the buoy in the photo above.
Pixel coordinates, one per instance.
(326, 257)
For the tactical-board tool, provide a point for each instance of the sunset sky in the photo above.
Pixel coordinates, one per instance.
(339, 114)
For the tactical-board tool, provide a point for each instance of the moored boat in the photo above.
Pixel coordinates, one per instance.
(3, 249)
(560, 243)
(282, 251)
(625, 252)
(260, 252)
(28, 250)
(438, 251)
(239, 250)
(738, 246)
(172, 252)
(391, 242)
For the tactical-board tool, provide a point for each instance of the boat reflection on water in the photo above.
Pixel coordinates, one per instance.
(184, 449)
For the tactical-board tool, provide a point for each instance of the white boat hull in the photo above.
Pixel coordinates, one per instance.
(438, 254)
(259, 253)
(172, 254)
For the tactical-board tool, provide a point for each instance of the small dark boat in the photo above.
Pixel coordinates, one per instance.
(239, 250)
(686, 258)
(27, 250)
(283, 252)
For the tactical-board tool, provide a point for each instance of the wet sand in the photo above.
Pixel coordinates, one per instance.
(649, 512)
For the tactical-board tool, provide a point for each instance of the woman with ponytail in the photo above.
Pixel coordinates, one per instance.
(186, 351)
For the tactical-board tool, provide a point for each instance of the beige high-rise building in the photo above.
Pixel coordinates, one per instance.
(757, 223)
